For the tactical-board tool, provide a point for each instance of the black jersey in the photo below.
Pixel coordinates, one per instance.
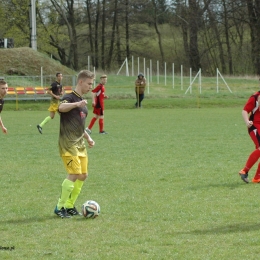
(1, 105)
(72, 126)
(56, 89)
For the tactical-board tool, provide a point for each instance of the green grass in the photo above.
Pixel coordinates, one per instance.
(166, 181)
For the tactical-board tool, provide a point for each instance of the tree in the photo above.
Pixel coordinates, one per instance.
(254, 23)
(67, 14)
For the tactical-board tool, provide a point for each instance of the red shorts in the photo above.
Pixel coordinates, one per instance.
(98, 111)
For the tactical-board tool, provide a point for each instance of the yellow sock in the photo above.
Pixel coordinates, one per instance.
(45, 121)
(67, 188)
(74, 194)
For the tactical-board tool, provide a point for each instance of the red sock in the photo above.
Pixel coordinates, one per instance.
(101, 124)
(252, 159)
(257, 174)
(92, 122)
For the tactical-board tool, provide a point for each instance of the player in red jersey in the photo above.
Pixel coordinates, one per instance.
(3, 92)
(251, 116)
(98, 96)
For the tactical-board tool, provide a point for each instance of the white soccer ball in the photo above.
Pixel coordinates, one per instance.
(90, 209)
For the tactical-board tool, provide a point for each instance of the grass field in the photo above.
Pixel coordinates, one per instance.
(166, 181)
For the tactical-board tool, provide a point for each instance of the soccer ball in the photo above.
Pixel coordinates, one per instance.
(90, 209)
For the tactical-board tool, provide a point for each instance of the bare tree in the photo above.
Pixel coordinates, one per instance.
(90, 29)
(254, 23)
(155, 23)
(229, 52)
(67, 14)
(112, 41)
(103, 41)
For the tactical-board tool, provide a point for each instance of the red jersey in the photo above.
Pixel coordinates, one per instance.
(100, 96)
(252, 108)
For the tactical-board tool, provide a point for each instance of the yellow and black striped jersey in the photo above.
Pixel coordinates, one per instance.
(72, 125)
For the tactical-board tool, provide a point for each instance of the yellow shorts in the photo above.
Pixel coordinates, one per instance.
(75, 164)
(53, 107)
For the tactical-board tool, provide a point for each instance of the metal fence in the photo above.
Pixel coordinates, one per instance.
(38, 81)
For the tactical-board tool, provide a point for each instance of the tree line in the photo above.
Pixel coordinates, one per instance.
(198, 34)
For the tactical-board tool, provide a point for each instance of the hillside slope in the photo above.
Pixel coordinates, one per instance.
(27, 62)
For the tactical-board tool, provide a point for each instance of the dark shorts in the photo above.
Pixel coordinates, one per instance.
(98, 111)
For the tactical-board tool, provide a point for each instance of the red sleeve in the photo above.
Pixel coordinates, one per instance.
(250, 104)
(96, 89)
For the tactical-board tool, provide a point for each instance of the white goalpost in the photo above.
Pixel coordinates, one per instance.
(127, 70)
(191, 82)
(219, 74)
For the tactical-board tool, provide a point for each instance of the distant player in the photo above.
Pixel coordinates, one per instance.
(98, 96)
(56, 92)
(3, 92)
(251, 116)
(140, 84)
(73, 113)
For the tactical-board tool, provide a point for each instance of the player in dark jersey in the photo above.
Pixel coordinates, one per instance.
(73, 113)
(56, 92)
(98, 96)
(3, 92)
(251, 116)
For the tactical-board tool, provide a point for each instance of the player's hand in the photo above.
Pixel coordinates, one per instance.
(82, 103)
(4, 130)
(91, 143)
(249, 124)
(93, 104)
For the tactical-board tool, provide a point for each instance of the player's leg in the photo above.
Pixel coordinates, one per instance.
(101, 122)
(253, 157)
(256, 178)
(52, 114)
(72, 165)
(137, 98)
(93, 120)
(70, 203)
(53, 108)
(141, 97)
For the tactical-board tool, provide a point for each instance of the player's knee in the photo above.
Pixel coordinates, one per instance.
(83, 176)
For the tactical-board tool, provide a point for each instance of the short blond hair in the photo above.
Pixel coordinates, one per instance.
(2, 82)
(84, 74)
(103, 76)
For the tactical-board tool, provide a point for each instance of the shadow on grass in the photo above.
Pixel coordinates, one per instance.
(24, 220)
(233, 228)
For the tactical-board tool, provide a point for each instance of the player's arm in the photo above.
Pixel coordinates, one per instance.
(93, 96)
(2, 126)
(90, 141)
(249, 106)
(65, 106)
(49, 91)
(144, 82)
(246, 119)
